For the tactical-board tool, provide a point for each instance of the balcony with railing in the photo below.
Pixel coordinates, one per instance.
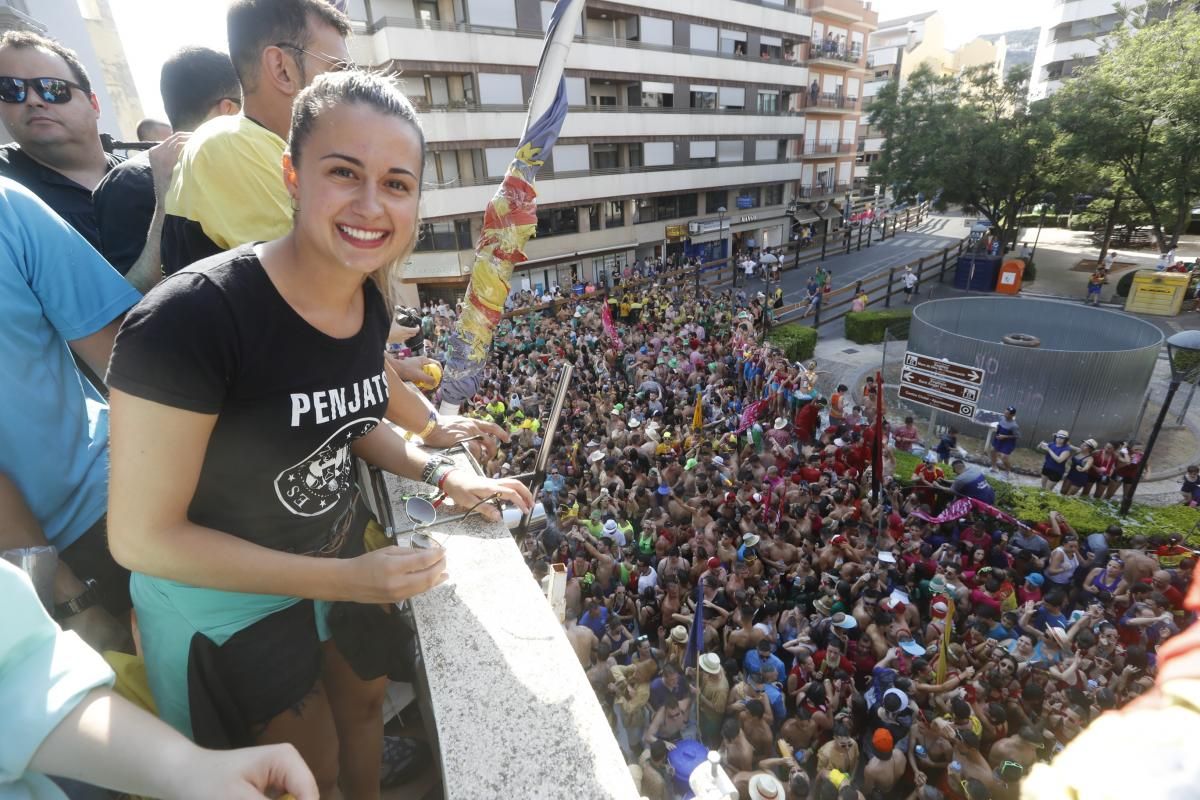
(844, 10)
(820, 191)
(824, 101)
(825, 147)
(829, 53)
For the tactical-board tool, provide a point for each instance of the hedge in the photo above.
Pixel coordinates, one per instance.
(1031, 504)
(867, 327)
(797, 341)
(1052, 220)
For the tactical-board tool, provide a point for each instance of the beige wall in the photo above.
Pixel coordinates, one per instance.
(117, 77)
(977, 52)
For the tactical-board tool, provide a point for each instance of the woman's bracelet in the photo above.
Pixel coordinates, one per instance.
(429, 473)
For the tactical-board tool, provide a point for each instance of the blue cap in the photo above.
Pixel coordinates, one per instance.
(1035, 578)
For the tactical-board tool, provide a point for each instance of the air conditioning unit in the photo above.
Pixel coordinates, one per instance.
(822, 206)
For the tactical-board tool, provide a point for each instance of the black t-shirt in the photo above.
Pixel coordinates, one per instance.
(218, 338)
(69, 200)
(124, 203)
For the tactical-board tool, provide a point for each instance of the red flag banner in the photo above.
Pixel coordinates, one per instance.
(750, 415)
(963, 506)
(609, 327)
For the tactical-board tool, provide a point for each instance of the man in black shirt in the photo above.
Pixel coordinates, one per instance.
(197, 84)
(57, 152)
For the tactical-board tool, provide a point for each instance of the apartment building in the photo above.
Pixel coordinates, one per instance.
(897, 48)
(1072, 34)
(696, 128)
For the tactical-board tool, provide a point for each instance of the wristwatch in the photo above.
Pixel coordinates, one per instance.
(89, 597)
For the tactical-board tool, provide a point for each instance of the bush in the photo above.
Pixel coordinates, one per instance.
(1030, 273)
(797, 341)
(867, 327)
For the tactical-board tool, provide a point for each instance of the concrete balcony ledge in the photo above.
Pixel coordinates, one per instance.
(514, 714)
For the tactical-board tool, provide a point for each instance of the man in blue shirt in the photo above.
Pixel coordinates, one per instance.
(757, 659)
(58, 296)
(970, 482)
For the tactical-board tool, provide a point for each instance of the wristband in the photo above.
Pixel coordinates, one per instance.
(431, 466)
(430, 425)
(441, 478)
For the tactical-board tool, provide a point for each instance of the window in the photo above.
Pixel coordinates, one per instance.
(654, 94)
(493, 13)
(605, 156)
(773, 195)
(703, 96)
(437, 90)
(732, 97)
(548, 9)
(664, 207)
(594, 212)
(614, 213)
(714, 200)
(768, 102)
(569, 158)
(635, 154)
(498, 159)
(427, 11)
(770, 47)
(704, 37)
(767, 149)
(733, 43)
(450, 235)
(702, 150)
(468, 84)
(500, 90)
(658, 154)
(731, 152)
(441, 169)
(748, 198)
(576, 92)
(557, 221)
(657, 31)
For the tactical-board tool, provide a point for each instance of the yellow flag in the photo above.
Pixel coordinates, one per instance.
(947, 631)
(698, 414)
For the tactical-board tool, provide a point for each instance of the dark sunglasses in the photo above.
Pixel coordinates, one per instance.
(52, 90)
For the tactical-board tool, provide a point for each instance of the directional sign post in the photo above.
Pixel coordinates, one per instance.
(941, 384)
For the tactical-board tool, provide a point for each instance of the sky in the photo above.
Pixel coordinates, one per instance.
(153, 29)
(965, 20)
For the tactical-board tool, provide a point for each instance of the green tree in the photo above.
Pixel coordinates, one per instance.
(971, 136)
(1136, 111)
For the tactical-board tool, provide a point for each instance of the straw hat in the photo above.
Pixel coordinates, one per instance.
(679, 634)
(764, 786)
(711, 663)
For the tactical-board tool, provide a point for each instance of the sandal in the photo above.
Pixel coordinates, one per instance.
(403, 758)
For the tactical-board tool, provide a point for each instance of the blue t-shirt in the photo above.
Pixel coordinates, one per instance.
(54, 288)
(755, 663)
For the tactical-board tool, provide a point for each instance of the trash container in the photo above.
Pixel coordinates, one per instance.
(979, 271)
(1157, 292)
(1011, 273)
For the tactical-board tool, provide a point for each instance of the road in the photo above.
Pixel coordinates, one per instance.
(932, 236)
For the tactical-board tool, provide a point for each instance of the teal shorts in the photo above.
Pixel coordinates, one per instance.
(268, 647)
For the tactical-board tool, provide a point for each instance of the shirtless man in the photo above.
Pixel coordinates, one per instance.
(736, 751)
(582, 640)
(800, 730)
(745, 638)
(1138, 565)
(1022, 748)
(755, 719)
(668, 723)
(884, 769)
(840, 753)
(600, 553)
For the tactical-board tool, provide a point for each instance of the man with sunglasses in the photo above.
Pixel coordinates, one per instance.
(48, 108)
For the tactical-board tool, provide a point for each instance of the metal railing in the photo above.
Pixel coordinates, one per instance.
(525, 33)
(546, 173)
(821, 148)
(425, 107)
(827, 51)
(812, 192)
(823, 100)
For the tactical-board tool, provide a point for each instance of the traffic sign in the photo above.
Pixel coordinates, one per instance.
(917, 395)
(935, 384)
(962, 373)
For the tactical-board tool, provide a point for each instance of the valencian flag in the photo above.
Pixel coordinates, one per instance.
(511, 216)
(609, 328)
(698, 414)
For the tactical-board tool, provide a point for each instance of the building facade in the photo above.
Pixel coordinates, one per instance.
(694, 127)
(1072, 34)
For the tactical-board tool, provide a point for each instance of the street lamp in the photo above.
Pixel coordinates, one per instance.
(1046, 200)
(1183, 354)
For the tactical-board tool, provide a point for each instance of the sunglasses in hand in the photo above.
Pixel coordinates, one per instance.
(422, 512)
(55, 91)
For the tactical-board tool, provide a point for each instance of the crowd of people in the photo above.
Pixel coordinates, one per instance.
(851, 647)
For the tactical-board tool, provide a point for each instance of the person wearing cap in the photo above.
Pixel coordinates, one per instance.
(1004, 440)
(760, 657)
(884, 769)
(1058, 452)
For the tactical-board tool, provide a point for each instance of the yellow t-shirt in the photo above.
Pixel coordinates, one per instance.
(227, 190)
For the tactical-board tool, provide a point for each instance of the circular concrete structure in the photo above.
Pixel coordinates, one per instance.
(1088, 374)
